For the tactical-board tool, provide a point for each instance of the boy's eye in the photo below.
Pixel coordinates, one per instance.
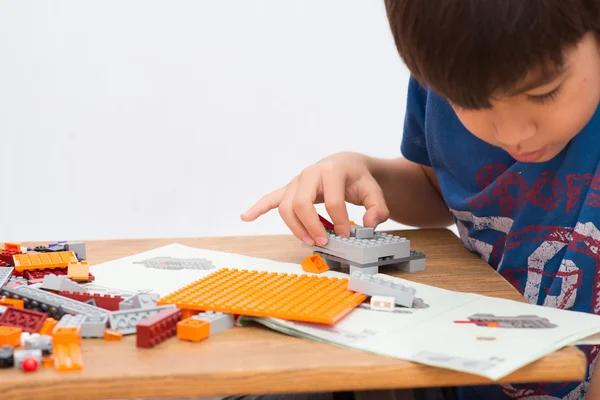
(546, 97)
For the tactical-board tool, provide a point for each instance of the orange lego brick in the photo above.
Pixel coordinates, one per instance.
(112, 335)
(10, 335)
(12, 246)
(59, 259)
(12, 302)
(185, 314)
(67, 357)
(78, 271)
(47, 361)
(314, 264)
(66, 335)
(193, 330)
(308, 298)
(48, 327)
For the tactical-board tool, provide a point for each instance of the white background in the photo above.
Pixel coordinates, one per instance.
(137, 119)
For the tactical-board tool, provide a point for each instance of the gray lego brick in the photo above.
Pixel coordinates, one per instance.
(414, 255)
(94, 327)
(51, 303)
(147, 300)
(78, 248)
(380, 286)
(5, 274)
(69, 320)
(364, 251)
(218, 321)
(125, 321)
(2, 309)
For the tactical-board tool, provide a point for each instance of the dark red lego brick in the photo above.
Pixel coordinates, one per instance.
(110, 303)
(158, 328)
(3, 263)
(28, 320)
(41, 273)
(7, 256)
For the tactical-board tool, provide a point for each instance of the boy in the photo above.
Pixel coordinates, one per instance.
(502, 137)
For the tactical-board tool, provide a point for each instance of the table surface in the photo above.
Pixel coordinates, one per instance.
(252, 360)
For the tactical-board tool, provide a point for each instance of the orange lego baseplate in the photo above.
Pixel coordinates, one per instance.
(308, 298)
(59, 259)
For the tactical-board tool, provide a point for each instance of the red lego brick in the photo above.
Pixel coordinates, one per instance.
(3, 264)
(157, 328)
(40, 273)
(7, 256)
(28, 320)
(110, 303)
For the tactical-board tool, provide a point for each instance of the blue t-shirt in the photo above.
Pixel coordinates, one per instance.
(535, 223)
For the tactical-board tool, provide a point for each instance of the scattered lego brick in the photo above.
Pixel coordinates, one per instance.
(78, 248)
(47, 361)
(218, 321)
(61, 283)
(66, 335)
(38, 342)
(48, 327)
(379, 286)
(5, 275)
(107, 302)
(28, 320)
(3, 264)
(67, 357)
(40, 274)
(8, 256)
(10, 336)
(157, 328)
(125, 321)
(7, 359)
(383, 303)
(94, 326)
(12, 302)
(185, 313)
(27, 360)
(54, 305)
(193, 330)
(308, 298)
(12, 246)
(59, 259)
(314, 264)
(112, 335)
(78, 270)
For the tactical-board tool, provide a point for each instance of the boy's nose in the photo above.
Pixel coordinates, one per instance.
(512, 133)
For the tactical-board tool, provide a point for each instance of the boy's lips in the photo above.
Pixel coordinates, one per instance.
(529, 156)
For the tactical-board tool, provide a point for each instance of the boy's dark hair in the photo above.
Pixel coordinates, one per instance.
(467, 50)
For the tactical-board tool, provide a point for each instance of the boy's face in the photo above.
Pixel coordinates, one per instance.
(537, 121)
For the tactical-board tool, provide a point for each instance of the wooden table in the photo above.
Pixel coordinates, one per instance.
(252, 360)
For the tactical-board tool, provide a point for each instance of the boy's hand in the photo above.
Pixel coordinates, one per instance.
(334, 180)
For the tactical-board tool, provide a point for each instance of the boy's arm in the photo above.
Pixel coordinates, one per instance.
(412, 193)
(593, 391)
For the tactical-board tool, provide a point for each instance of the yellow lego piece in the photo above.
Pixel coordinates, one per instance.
(78, 271)
(60, 259)
(309, 298)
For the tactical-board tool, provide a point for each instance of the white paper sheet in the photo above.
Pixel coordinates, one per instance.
(428, 335)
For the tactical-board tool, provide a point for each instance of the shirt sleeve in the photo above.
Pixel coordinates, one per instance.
(414, 143)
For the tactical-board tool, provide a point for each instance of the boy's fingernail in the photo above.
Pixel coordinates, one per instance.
(308, 240)
(321, 240)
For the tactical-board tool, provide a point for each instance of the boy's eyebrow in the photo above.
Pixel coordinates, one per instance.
(540, 80)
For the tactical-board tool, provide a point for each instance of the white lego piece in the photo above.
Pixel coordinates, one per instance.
(20, 355)
(382, 303)
(378, 286)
